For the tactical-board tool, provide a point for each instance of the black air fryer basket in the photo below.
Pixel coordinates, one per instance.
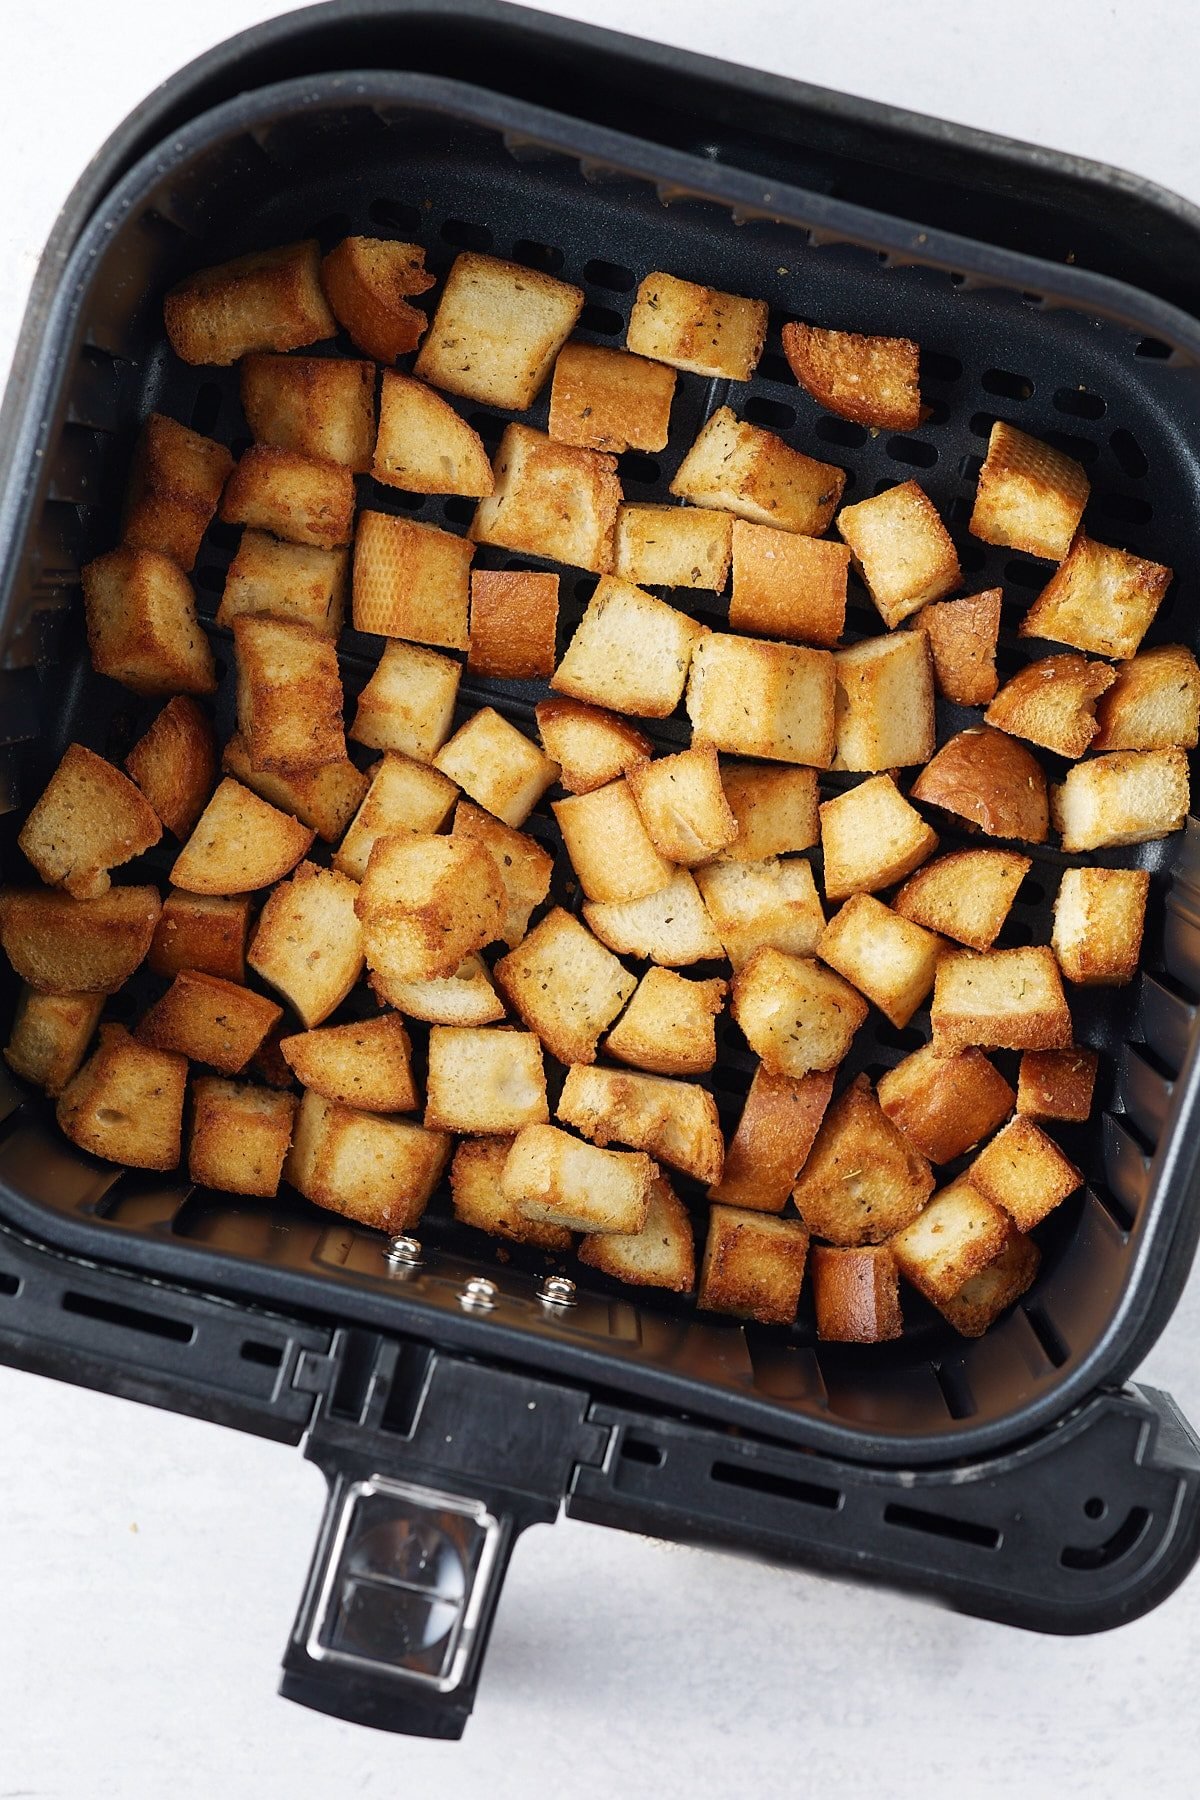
(1013, 1476)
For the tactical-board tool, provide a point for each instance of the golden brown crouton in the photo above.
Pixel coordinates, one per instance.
(1052, 702)
(326, 798)
(754, 474)
(591, 746)
(1030, 497)
(753, 1265)
(411, 580)
(762, 699)
(661, 1254)
(774, 1135)
(174, 763)
(551, 1178)
(289, 696)
(670, 927)
(962, 638)
(126, 1103)
(497, 765)
(987, 777)
(786, 585)
(775, 810)
(862, 1179)
(1057, 1084)
(488, 1081)
(309, 943)
(497, 330)
(479, 1201)
(697, 328)
(889, 959)
(367, 282)
(871, 837)
(683, 806)
(50, 1034)
(1098, 599)
(1099, 917)
(88, 819)
(64, 946)
(630, 651)
(1124, 797)
(201, 931)
(565, 986)
(903, 550)
(524, 867)
(367, 1064)
(286, 581)
(209, 1021)
(240, 1136)
(423, 445)
(796, 1015)
(514, 621)
(752, 904)
(294, 496)
(1025, 1172)
(408, 704)
(552, 500)
(958, 1234)
(965, 895)
(673, 1121)
(464, 997)
(610, 849)
(239, 843)
(980, 1301)
(1000, 1000)
(269, 300)
(872, 380)
(175, 482)
(674, 546)
(605, 399)
(945, 1104)
(668, 1027)
(426, 902)
(142, 628)
(1154, 703)
(856, 1293)
(885, 716)
(319, 406)
(378, 1171)
(403, 796)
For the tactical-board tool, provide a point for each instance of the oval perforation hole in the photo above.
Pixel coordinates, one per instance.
(1131, 458)
(546, 257)
(602, 320)
(971, 558)
(1077, 403)
(635, 465)
(206, 408)
(845, 432)
(489, 427)
(1129, 509)
(980, 424)
(1082, 449)
(333, 228)
(465, 236)
(771, 413)
(1026, 575)
(913, 451)
(937, 366)
(969, 467)
(394, 216)
(1007, 383)
(1154, 348)
(775, 368)
(613, 276)
(458, 511)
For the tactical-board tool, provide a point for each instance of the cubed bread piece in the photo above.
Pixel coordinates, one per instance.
(980, 1301)
(1057, 1084)
(871, 380)
(318, 406)
(775, 810)
(863, 1179)
(966, 895)
(774, 1135)
(65, 946)
(326, 798)
(754, 474)
(885, 717)
(683, 806)
(514, 623)
(1025, 1172)
(763, 699)
(269, 300)
(478, 1196)
(786, 585)
(1052, 702)
(565, 986)
(673, 1121)
(88, 819)
(426, 902)
(174, 763)
(903, 550)
(697, 328)
(1153, 704)
(1124, 797)
(988, 778)
(551, 1178)
(871, 837)
(408, 704)
(1099, 599)
(209, 1020)
(668, 1027)
(487, 1080)
(367, 1064)
(674, 546)
(497, 330)
(50, 1035)
(524, 867)
(367, 282)
(552, 500)
(464, 997)
(591, 746)
(945, 1105)
(1099, 916)
(286, 581)
(610, 849)
(602, 398)
(630, 651)
(201, 931)
(856, 1294)
(126, 1103)
(962, 638)
(309, 942)
(1000, 1000)
(289, 696)
(378, 1171)
(240, 843)
(403, 796)
(423, 445)
(142, 628)
(240, 1136)
(296, 497)
(411, 581)
(175, 482)
(1030, 496)
(959, 1233)
(889, 959)
(796, 1015)
(662, 1254)
(770, 903)
(497, 765)
(671, 927)
(753, 1265)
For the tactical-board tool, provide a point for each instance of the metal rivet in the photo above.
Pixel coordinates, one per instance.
(557, 1290)
(404, 1252)
(479, 1294)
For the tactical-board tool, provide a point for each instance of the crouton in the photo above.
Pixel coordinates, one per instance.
(754, 904)
(209, 1020)
(403, 796)
(423, 445)
(668, 1027)
(142, 628)
(797, 1016)
(326, 798)
(871, 380)
(319, 406)
(962, 638)
(630, 651)
(980, 1301)
(551, 1178)
(286, 581)
(240, 1136)
(966, 895)
(945, 1105)
(670, 927)
(367, 282)
(296, 497)
(602, 398)
(65, 946)
(174, 763)
(673, 1121)
(959, 1233)
(203, 932)
(752, 473)
(289, 696)
(871, 837)
(1154, 703)
(674, 546)
(408, 704)
(661, 1254)
(367, 1064)
(610, 849)
(309, 943)
(269, 300)
(514, 622)
(239, 843)
(478, 1197)
(464, 997)
(887, 958)
(775, 810)
(565, 986)
(50, 1035)
(378, 1171)
(497, 765)
(126, 1103)
(903, 551)
(774, 1135)
(1025, 1172)
(1057, 1084)
(592, 747)
(551, 500)
(990, 779)
(786, 585)
(487, 1081)
(856, 1294)
(1052, 702)
(1099, 599)
(1124, 797)
(175, 482)
(1099, 916)
(89, 819)
(411, 580)
(762, 699)
(1000, 1000)
(697, 328)
(427, 902)
(885, 716)
(497, 330)
(1030, 497)
(753, 1265)
(862, 1179)
(683, 806)
(525, 868)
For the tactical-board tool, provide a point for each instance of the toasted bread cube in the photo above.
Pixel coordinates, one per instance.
(479, 1201)
(668, 1027)
(64, 946)
(411, 580)
(885, 717)
(787, 586)
(980, 1301)
(209, 1020)
(945, 1105)
(325, 799)
(605, 399)
(203, 932)
(423, 445)
(367, 282)
(959, 1233)
(240, 843)
(551, 1178)
(514, 623)
(966, 895)
(1000, 1000)
(464, 997)
(367, 1064)
(487, 1081)
(591, 746)
(126, 1103)
(1099, 599)
(175, 483)
(1099, 916)
(379, 1171)
(1030, 497)
(318, 406)
(408, 704)
(871, 837)
(403, 796)
(887, 958)
(50, 1035)
(1025, 1172)
(862, 1179)
(89, 819)
(755, 904)
(774, 1135)
(240, 1136)
(1057, 1084)
(286, 581)
(904, 552)
(551, 500)
(565, 986)
(762, 699)
(683, 805)
(427, 902)
(1052, 702)
(610, 849)
(990, 779)
(497, 765)
(673, 1121)
(962, 638)
(309, 943)
(752, 473)
(674, 546)
(629, 651)
(294, 496)
(289, 696)
(775, 810)
(871, 380)
(697, 328)
(753, 1265)
(670, 927)
(662, 1254)
(269, 300)
(1154, 703)
(524, 867)
(856, 1293)
(796, 1015)
(1125, 797)
(174, 763)
(497, 330)
(142, 628)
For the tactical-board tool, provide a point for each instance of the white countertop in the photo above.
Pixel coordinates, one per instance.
(150, 1565)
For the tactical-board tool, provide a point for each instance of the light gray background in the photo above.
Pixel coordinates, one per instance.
(149, 1565)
